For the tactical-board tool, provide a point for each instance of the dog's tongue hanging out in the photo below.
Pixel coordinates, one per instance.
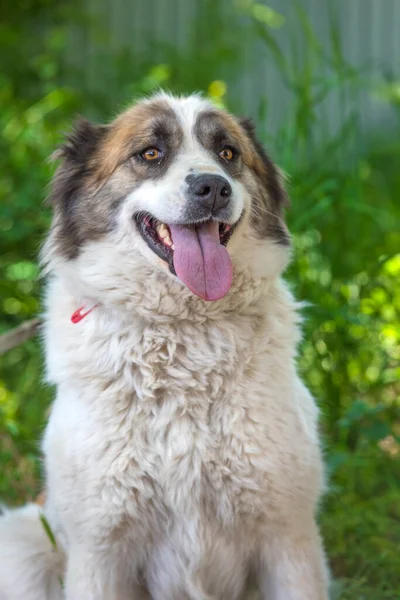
(201, 261)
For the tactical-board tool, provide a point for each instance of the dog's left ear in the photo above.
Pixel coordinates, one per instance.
(270, 175)
(271, 198)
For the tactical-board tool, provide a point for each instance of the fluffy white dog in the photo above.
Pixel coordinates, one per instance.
(182, 455)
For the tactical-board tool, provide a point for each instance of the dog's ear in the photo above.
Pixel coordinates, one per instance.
(69, 188)
(72, 184)
(75, 156)
(81, 142)
(271, 198)
(271, 175)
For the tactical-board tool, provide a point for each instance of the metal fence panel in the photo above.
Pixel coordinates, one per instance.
(369, 32)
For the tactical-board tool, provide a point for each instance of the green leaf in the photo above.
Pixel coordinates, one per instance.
(48, 530)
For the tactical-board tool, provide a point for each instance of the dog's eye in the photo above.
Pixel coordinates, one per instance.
(226, 154)
(151, 154)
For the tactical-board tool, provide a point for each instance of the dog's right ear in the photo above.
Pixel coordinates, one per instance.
(68, 186)
(81, 142)
(76, 164)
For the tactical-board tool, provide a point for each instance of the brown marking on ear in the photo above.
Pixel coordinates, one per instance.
(271, 199)
(265, 168)
(251, 159)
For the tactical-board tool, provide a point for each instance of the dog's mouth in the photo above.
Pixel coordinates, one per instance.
(196, 253)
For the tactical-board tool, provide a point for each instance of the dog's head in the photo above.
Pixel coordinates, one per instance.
(173, 185)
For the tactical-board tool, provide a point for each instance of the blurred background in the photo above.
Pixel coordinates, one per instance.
(321, 78)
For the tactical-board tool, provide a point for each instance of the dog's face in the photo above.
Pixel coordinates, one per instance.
(175, 183)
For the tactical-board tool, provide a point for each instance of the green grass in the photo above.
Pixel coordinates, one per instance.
(360, 523)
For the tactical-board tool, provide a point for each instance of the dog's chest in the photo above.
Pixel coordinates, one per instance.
(194, 434)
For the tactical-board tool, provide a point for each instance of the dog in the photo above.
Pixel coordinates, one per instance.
(182, 454)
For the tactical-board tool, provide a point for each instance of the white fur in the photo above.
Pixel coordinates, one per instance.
(182, 450)
(30, 568)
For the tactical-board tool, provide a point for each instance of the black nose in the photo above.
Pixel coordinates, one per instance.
(211, 191)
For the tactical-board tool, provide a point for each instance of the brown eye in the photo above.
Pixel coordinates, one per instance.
(226, 154)
(151, 154)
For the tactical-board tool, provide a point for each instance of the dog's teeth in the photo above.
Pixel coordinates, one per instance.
(173, 247)
(162, 230)
(164, 235)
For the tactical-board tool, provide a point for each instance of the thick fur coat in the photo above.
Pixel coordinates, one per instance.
(182, 456)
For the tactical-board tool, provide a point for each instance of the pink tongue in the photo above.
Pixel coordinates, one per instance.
(200, 261)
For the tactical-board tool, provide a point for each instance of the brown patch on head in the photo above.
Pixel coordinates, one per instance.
(99, 169)
(215, 130)
(147, 124)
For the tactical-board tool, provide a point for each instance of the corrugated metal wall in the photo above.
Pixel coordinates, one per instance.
(370, 34)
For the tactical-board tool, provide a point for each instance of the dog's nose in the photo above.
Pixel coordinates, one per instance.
(211, 191)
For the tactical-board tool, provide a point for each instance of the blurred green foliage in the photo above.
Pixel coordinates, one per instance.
(344, 217)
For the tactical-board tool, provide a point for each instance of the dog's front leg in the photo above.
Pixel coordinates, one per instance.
(90, 576)
(293, 566)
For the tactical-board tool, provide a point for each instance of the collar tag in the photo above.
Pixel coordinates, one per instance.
(81, 313)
